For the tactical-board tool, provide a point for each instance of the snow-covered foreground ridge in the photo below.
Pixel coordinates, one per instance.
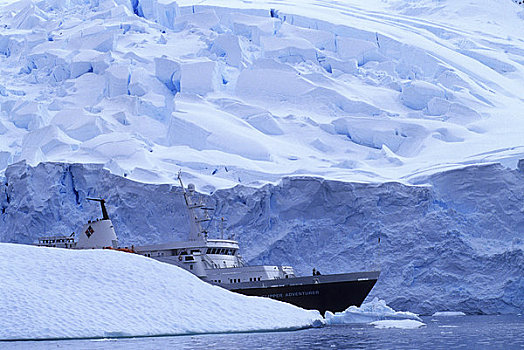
(453, 242)
(57, 293)
(236, 91)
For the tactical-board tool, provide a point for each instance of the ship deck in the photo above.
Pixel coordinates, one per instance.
(304, 280)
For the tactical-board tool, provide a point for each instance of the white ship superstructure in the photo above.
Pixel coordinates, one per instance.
(96, 234)
(214, 260)
(57, 241)
(219, 262)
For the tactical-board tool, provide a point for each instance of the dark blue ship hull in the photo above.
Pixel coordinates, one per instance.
(333, 293)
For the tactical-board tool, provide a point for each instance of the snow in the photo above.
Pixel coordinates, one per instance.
(375, 310)
(403, 324)
(343, 122)
(448, 313)
(168, 72)
(417, 94)
(198, 77)
(57, 293)
(448, 71)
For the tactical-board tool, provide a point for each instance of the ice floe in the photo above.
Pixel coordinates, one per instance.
(404, 324)
(448, 313)
(375, 310)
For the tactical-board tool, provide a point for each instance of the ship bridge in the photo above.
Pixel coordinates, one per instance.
(223, 253)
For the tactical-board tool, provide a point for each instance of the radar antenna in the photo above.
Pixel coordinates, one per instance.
(196, 231)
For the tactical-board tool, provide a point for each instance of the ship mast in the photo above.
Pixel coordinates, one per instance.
(196, 233)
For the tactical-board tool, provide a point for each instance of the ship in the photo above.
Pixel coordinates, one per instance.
(218, 261)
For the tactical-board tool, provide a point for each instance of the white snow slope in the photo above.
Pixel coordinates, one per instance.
(57, 293)
(252, 91)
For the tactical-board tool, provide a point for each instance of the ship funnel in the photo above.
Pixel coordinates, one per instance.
(102, 206)
(99, 233)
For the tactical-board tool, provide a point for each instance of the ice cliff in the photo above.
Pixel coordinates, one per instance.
(453, 241)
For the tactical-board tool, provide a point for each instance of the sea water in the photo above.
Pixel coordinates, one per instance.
(458, 332)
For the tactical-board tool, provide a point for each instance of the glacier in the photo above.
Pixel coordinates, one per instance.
(384, 134)
(251, 92)
(452, 242)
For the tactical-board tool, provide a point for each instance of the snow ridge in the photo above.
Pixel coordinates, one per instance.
(123, 295)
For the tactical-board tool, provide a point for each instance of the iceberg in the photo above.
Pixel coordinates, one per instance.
(404, 324)
(448, 314)
(53, 293)
(375, 310)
